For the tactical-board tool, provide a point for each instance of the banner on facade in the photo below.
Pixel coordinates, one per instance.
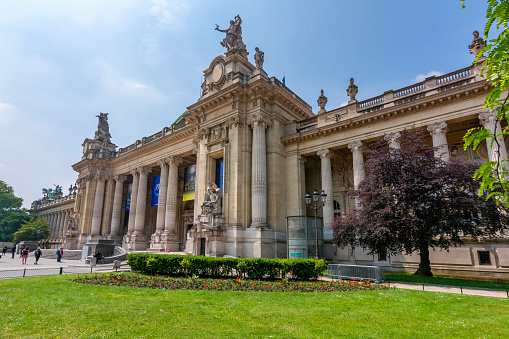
(155, 190)
(189, 178)
(128, 202)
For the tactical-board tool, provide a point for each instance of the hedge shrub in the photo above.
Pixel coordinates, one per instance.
(256, 268)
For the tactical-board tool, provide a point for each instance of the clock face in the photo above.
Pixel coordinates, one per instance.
(217, 73)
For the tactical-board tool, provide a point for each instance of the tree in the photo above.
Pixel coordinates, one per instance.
(11, 213)
(494, 175)
(411, 201)
(28, 231)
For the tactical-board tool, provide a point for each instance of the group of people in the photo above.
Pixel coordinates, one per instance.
(24, 251)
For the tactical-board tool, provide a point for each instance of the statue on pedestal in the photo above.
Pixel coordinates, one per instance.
(212, 202)
(103, 129)
(259, 58)
(233, 40)
(477, 44)
(352, 90)
(322, 101)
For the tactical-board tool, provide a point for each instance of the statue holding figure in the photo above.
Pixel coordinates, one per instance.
(233, 40)
(212, 202)
(103, 129)
(477, 44)
(259, 58)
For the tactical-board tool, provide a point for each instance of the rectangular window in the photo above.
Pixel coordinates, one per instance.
(484, 257)
(219, 174)
(382, 256)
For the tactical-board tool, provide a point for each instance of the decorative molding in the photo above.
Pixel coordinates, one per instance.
(259, 119)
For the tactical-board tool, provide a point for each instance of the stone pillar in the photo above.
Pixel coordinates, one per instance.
(134, 199)
(52, 224)
(393, 139)
(48, 219)
(67, 214)
(98, 206)
(57, 224)
(161, 202)
(498, 152)
(169, 238)
(141, 203)
(328, 208)
(117, 205)
(438, 132)
(358, 165)
(259, 123)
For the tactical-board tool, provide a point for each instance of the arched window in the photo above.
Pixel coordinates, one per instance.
(337, 209)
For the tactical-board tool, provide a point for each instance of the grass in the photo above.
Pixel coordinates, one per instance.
(51, 307)
(449, 281)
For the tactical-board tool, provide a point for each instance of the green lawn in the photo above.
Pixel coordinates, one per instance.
(56, 307)
(439, 280)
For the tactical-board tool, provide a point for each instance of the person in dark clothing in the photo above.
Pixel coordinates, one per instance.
(60, 253)
(37, 254)
(98, 256)
(4, 250)
(13, 250)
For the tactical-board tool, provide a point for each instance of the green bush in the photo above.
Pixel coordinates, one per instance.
(256, 268)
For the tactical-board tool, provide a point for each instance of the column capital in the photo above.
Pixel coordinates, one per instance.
(302, 159)
(141, 170)
(324, 153)
(119, 178)
(174, 160)
(487, 118)
(392, 136)
(100, 177)
(162, 162)
(356, 146)
(259, 119)
(438, 128)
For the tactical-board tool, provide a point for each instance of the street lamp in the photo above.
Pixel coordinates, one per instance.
(316, 207)
(38, 233)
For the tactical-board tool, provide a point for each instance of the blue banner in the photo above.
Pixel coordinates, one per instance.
(155, 190)
(128, 202)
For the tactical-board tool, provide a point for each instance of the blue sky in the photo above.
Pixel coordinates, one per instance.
(63, 62)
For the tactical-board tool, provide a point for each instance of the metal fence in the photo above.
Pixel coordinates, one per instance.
(452, 289)
(358, 272)
(37, 272)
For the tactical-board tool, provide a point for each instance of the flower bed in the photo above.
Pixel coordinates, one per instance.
(165, 282)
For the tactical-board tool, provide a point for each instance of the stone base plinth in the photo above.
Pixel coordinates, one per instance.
(106, 247)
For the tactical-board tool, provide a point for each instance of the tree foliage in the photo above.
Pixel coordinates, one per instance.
(494, 174)
(11, 213)
(28, 231)
(411, 201)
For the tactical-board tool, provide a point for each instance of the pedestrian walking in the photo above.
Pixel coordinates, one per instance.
(4, 250)
(24, 255)
(60, 253)
(37, 254)
(13, 250)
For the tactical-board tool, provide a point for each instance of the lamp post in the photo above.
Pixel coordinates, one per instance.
(316, 207)
(38, 233)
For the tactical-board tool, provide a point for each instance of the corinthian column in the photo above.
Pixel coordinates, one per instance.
(438, 132)
(393, 139)
(498, 151)
(141, 202)
(328, 208)
(358, 165)
(58, 225)
(117, 205)
(171, 195)
(259, 123)
(134, 199)
(161, 202)
(98, 206)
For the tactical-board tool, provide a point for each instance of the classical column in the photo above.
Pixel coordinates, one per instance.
(328, 208)
(48, 219)
(67, 214)
(358, 162)
(60, 224)
(134, 199)
(438, 132)
(393, 139)
(52, 224)
(161, 202)
(98, 205)
(171, 195)
(117, 205)
(259, 123)
(56, 223)
(141, 202)
(498, 151)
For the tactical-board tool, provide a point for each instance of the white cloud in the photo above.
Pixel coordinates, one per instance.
(422, 77)
(169, 13)
(2, 166)
(344, 103)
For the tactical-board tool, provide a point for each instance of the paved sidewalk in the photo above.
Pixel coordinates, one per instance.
(452, 289)
(8, 263)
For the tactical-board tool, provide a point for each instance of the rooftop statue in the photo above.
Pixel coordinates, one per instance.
(322, 101)
(103, 129)
(52, 193)
(352, 90)
(259, 58)
(233, 40)
(477, 44)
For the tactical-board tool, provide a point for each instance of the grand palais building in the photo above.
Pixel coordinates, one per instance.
(229, 177)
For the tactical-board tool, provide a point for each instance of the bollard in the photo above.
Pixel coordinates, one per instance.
(461, 289)
(61, 269)
(24, 271)
(423, 287)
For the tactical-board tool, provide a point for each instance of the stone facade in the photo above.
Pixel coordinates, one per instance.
(267, 148)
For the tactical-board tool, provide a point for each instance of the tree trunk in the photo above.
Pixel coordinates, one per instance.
(425, 265)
